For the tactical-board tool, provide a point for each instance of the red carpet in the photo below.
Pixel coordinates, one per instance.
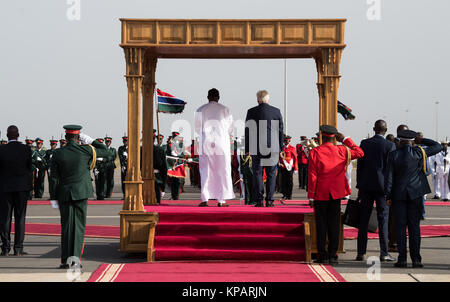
(186, 202)
(109, 231)
(233, 233)
(215, 272)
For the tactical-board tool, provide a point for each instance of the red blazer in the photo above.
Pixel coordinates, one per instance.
(290, 153)
(326, 170)
(301, 156)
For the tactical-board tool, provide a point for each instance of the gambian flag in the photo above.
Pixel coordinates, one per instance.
(345, 111)
(167, 103)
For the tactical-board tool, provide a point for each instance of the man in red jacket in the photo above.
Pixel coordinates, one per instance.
(287, 167)
(327, 185)
(302, 163)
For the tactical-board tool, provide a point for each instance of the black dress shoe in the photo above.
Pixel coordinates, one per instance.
(400, 264)
(269, 204)
(203, 204)
(4, 253)
(21, 253)
(445, 199)
(387, 258)
(417, 265)
(222, 204)
(333, 261)
(64, 266)
(321, 260)
(259, 205)
(435, 197)
(360, 258)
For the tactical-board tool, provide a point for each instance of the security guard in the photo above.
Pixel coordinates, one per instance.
(100, 175)
(39, 158)
(123, 158)
(48, 160)
(29, 143)
(70, 169)
(110, 166)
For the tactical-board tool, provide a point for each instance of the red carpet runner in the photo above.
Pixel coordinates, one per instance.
(235, 233)
(215, 272)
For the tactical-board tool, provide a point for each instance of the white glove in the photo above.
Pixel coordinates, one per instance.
(123, 169)
(162, 194)
(96, 172)
(39, 159)
(295, 172)
(85, 139)
(100, 159)
(125, 154)
(55, 204)
(189, 160)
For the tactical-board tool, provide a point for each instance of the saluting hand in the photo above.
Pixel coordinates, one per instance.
(340, 137)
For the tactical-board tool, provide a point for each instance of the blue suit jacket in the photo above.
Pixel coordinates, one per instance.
(266, 113)
(405, 176)
(372, 167)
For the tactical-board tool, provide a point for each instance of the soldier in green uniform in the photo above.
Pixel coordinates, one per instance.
(29, 143)
(100, 174)
(160, 168)
(110, 166)
(247, 175)
(123, 159)
(62, 143)
(48, 160)
(70, 169)
(39, 158)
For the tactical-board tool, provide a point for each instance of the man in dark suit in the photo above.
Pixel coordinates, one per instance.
(405, 185)
(15, 185)
(264, 120)
(370, 183)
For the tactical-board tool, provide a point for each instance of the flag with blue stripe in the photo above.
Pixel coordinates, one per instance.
(167, 103)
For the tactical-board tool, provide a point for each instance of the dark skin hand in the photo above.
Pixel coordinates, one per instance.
(340, 137)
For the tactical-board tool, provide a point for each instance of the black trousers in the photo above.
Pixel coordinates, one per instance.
(39, 179)
(328, 220)
(100, 185)
(13, 202)
(175, 187)
(303, 176)
(367, 199)
(288, 182)
(123, 174)
(109, 181)
(407, 215)
(258, 184)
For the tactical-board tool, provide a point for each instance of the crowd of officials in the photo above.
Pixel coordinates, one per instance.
(391, 172)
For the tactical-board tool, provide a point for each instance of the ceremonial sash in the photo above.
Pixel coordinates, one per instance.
(425, 170)
(94, 157)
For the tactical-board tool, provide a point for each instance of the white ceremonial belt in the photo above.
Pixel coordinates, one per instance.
(156, 171)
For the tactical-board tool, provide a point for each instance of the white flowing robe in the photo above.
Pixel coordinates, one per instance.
(213, 126)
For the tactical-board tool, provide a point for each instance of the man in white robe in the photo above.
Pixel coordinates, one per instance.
(442, 160)
(213, 126)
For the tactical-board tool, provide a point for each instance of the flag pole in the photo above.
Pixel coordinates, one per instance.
(157, 117)
(285, 97)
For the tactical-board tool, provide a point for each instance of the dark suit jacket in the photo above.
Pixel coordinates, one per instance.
(15, 168)
(267, 113)
(405, 176)
(372, 167)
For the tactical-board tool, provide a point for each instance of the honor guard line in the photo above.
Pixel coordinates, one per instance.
(146, 40)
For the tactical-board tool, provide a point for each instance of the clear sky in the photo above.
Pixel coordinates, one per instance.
(54, 71)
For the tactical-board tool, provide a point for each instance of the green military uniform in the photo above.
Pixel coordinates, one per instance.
(39, 159)
(110, 166)
(70, 168)
(100, 175)
(123, 159)
(160, 166)
(247, 175)
(29, 143)
(48, 160)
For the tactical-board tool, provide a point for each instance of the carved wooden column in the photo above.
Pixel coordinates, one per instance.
(327, 64)
(133, 181)
(148, 90)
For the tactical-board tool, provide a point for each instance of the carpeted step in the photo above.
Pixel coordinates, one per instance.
(168, 254)
(230, 216)
(230, 241)
(201, 228)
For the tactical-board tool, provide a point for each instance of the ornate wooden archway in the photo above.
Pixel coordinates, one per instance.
(146, 40)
